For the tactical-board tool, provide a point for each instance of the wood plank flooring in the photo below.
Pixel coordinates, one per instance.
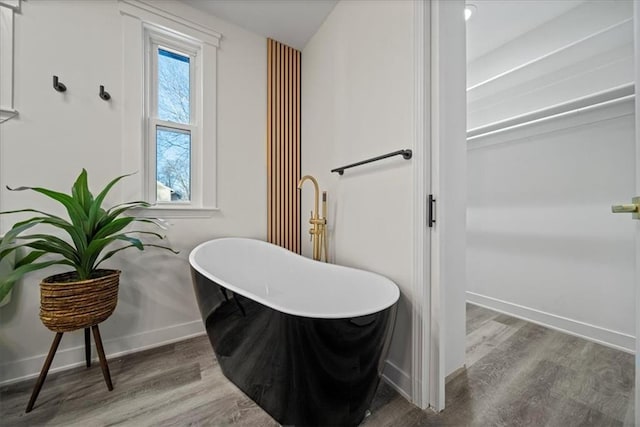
(518, 374)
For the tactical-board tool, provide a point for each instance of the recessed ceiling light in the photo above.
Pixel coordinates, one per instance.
(469, 10)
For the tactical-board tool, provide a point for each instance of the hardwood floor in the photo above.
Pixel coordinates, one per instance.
(518, 374)
(521, 374)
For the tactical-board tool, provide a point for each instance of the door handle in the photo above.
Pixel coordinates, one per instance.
(624, 208)
(633, 208)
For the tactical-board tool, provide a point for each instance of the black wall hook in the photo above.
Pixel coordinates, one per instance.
(103, 94)
(58, 86)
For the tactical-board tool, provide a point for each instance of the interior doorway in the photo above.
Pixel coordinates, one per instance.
(550, 146)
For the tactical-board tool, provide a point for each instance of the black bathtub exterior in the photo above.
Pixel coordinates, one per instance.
(302, 371)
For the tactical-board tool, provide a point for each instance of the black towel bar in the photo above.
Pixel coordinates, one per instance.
(406, 154)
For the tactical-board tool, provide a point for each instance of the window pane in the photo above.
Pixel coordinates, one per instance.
(173, 165)
(173, 87)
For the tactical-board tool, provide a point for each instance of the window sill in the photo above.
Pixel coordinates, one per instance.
(175, 212)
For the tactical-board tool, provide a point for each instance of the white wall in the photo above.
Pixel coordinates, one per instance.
(542, 243)
(57, 134)
(357, 83)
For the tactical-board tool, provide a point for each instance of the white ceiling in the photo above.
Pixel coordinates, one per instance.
(291, 22)
(495, 22)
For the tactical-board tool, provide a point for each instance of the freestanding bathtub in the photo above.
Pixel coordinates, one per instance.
(303, 339)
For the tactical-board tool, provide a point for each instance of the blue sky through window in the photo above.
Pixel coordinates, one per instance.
(173, 146)
(173, 154)
(174, 87)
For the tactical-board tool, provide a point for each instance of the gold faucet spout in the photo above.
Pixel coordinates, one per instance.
(318, 223)
(317, 191)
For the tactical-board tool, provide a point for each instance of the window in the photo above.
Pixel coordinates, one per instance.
(7, 9)
(173, 138)
(171, 63)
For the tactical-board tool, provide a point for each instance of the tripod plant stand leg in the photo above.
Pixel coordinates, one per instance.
(103, 359)
(45, 370)
(87, 346)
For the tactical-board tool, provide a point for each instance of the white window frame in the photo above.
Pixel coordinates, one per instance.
(155, 40)
(7, 10)
(145, 25)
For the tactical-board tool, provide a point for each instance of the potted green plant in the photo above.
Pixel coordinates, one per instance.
(90, 231)
(87, 294)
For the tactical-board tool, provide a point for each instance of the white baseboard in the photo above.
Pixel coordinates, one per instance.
(614, 339)
(397, 379)
(27, 368)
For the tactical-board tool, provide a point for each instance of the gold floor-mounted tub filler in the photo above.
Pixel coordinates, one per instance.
(318, 230)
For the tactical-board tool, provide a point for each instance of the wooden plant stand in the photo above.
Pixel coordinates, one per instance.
(68, 304)
(87, 352)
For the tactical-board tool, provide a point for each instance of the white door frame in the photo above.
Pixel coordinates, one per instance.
(636, 41)
(440, 140)
(421, 342)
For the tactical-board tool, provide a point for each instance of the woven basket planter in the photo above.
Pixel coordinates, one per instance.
(67, 304)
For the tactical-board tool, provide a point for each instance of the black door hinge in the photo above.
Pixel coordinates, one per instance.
(431, 208)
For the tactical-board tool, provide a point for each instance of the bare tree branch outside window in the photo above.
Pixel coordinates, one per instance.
(173, 146)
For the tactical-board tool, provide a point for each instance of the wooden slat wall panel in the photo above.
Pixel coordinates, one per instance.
(283, 145)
